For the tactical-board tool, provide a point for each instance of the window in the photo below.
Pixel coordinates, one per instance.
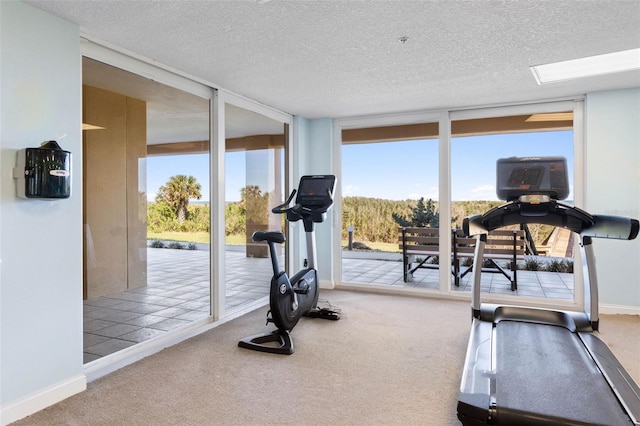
(389, 181)
(545, 267)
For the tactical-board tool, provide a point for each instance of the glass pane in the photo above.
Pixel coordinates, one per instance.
(387, 185)
(254, 179)
(146, 209)
(546, 268)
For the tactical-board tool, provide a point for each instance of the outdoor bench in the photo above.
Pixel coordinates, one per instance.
(502, 245)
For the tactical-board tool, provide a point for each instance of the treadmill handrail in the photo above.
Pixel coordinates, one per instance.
(616, 227)
(552, 213)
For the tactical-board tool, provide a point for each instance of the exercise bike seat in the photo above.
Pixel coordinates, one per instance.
(270, 236)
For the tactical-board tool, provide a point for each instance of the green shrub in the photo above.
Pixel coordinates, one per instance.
(175, 245)
(569, 266)
(487, 263)
(156, 244)
(562, 266)
(556, 266)
(235, 219)
(199, 216)
(532, 264)
(159, 217)
(192, 246)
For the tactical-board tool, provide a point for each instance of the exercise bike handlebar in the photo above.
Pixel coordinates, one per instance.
(299, 211)
(282, 208)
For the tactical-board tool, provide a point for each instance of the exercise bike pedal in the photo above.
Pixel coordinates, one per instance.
(303, 289)
(324, 313)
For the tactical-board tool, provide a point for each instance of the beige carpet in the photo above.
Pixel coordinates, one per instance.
(390, 360)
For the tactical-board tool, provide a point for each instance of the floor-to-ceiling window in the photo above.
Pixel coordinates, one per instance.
(146, 209)
(389, 181)
(544, 268)
(385, 169)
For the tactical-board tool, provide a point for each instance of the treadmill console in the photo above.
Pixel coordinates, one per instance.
(316, 191)
(517, 176)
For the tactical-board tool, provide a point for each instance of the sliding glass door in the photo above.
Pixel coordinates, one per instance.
(255, 158)
(147, 268)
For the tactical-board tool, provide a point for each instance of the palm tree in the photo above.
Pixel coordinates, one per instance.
(177, 192)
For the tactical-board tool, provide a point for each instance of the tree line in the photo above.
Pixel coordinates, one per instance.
(373, 219)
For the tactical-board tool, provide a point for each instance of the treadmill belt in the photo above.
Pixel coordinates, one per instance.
(544, 373)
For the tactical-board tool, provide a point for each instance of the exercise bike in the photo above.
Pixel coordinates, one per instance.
(291, 298)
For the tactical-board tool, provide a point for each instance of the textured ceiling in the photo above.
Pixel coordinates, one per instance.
(344, 58)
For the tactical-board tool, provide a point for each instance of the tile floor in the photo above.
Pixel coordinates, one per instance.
(550, 285)
(178, 292)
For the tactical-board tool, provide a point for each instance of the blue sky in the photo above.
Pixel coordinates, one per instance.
(391, 170)
(161, 168)
(409, 170)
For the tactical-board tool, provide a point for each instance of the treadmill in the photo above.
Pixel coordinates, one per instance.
(533, 366)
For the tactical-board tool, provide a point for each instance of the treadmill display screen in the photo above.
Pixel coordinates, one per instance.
(518, 176)
(316, 190)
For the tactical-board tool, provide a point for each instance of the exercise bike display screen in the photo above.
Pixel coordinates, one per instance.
(316, 190)
(532, 175)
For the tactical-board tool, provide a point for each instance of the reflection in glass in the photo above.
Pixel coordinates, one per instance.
(254, 176)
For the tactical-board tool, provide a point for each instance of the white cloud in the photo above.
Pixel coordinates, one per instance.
(483, 192)
(431, 193)
(349, 190)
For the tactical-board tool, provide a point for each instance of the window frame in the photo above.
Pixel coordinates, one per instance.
(445, 118)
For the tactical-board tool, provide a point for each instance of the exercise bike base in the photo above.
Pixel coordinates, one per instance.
(324, 313)
(265, 342)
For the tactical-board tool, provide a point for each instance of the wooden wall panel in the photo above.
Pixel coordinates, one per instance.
(136, 193)
(114, 234)
(104, 171)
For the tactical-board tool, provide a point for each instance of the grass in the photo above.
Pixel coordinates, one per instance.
(193, 237)
(236, 240)
(240, 240)
(389, 247)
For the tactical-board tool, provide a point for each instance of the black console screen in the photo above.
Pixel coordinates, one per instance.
(532, 175)
(316, 190)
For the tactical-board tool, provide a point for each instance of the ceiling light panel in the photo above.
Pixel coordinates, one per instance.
(626, 60)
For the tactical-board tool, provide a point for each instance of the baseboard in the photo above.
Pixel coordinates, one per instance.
(42, 399)
(327, 284)
(619, 310)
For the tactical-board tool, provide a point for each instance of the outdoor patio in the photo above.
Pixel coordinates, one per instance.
(178, 292)
(386, 269)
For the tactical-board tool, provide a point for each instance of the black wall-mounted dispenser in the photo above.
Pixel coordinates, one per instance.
(43, 172)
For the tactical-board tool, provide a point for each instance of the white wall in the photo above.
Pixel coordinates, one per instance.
(613, 188)
(41, 245)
